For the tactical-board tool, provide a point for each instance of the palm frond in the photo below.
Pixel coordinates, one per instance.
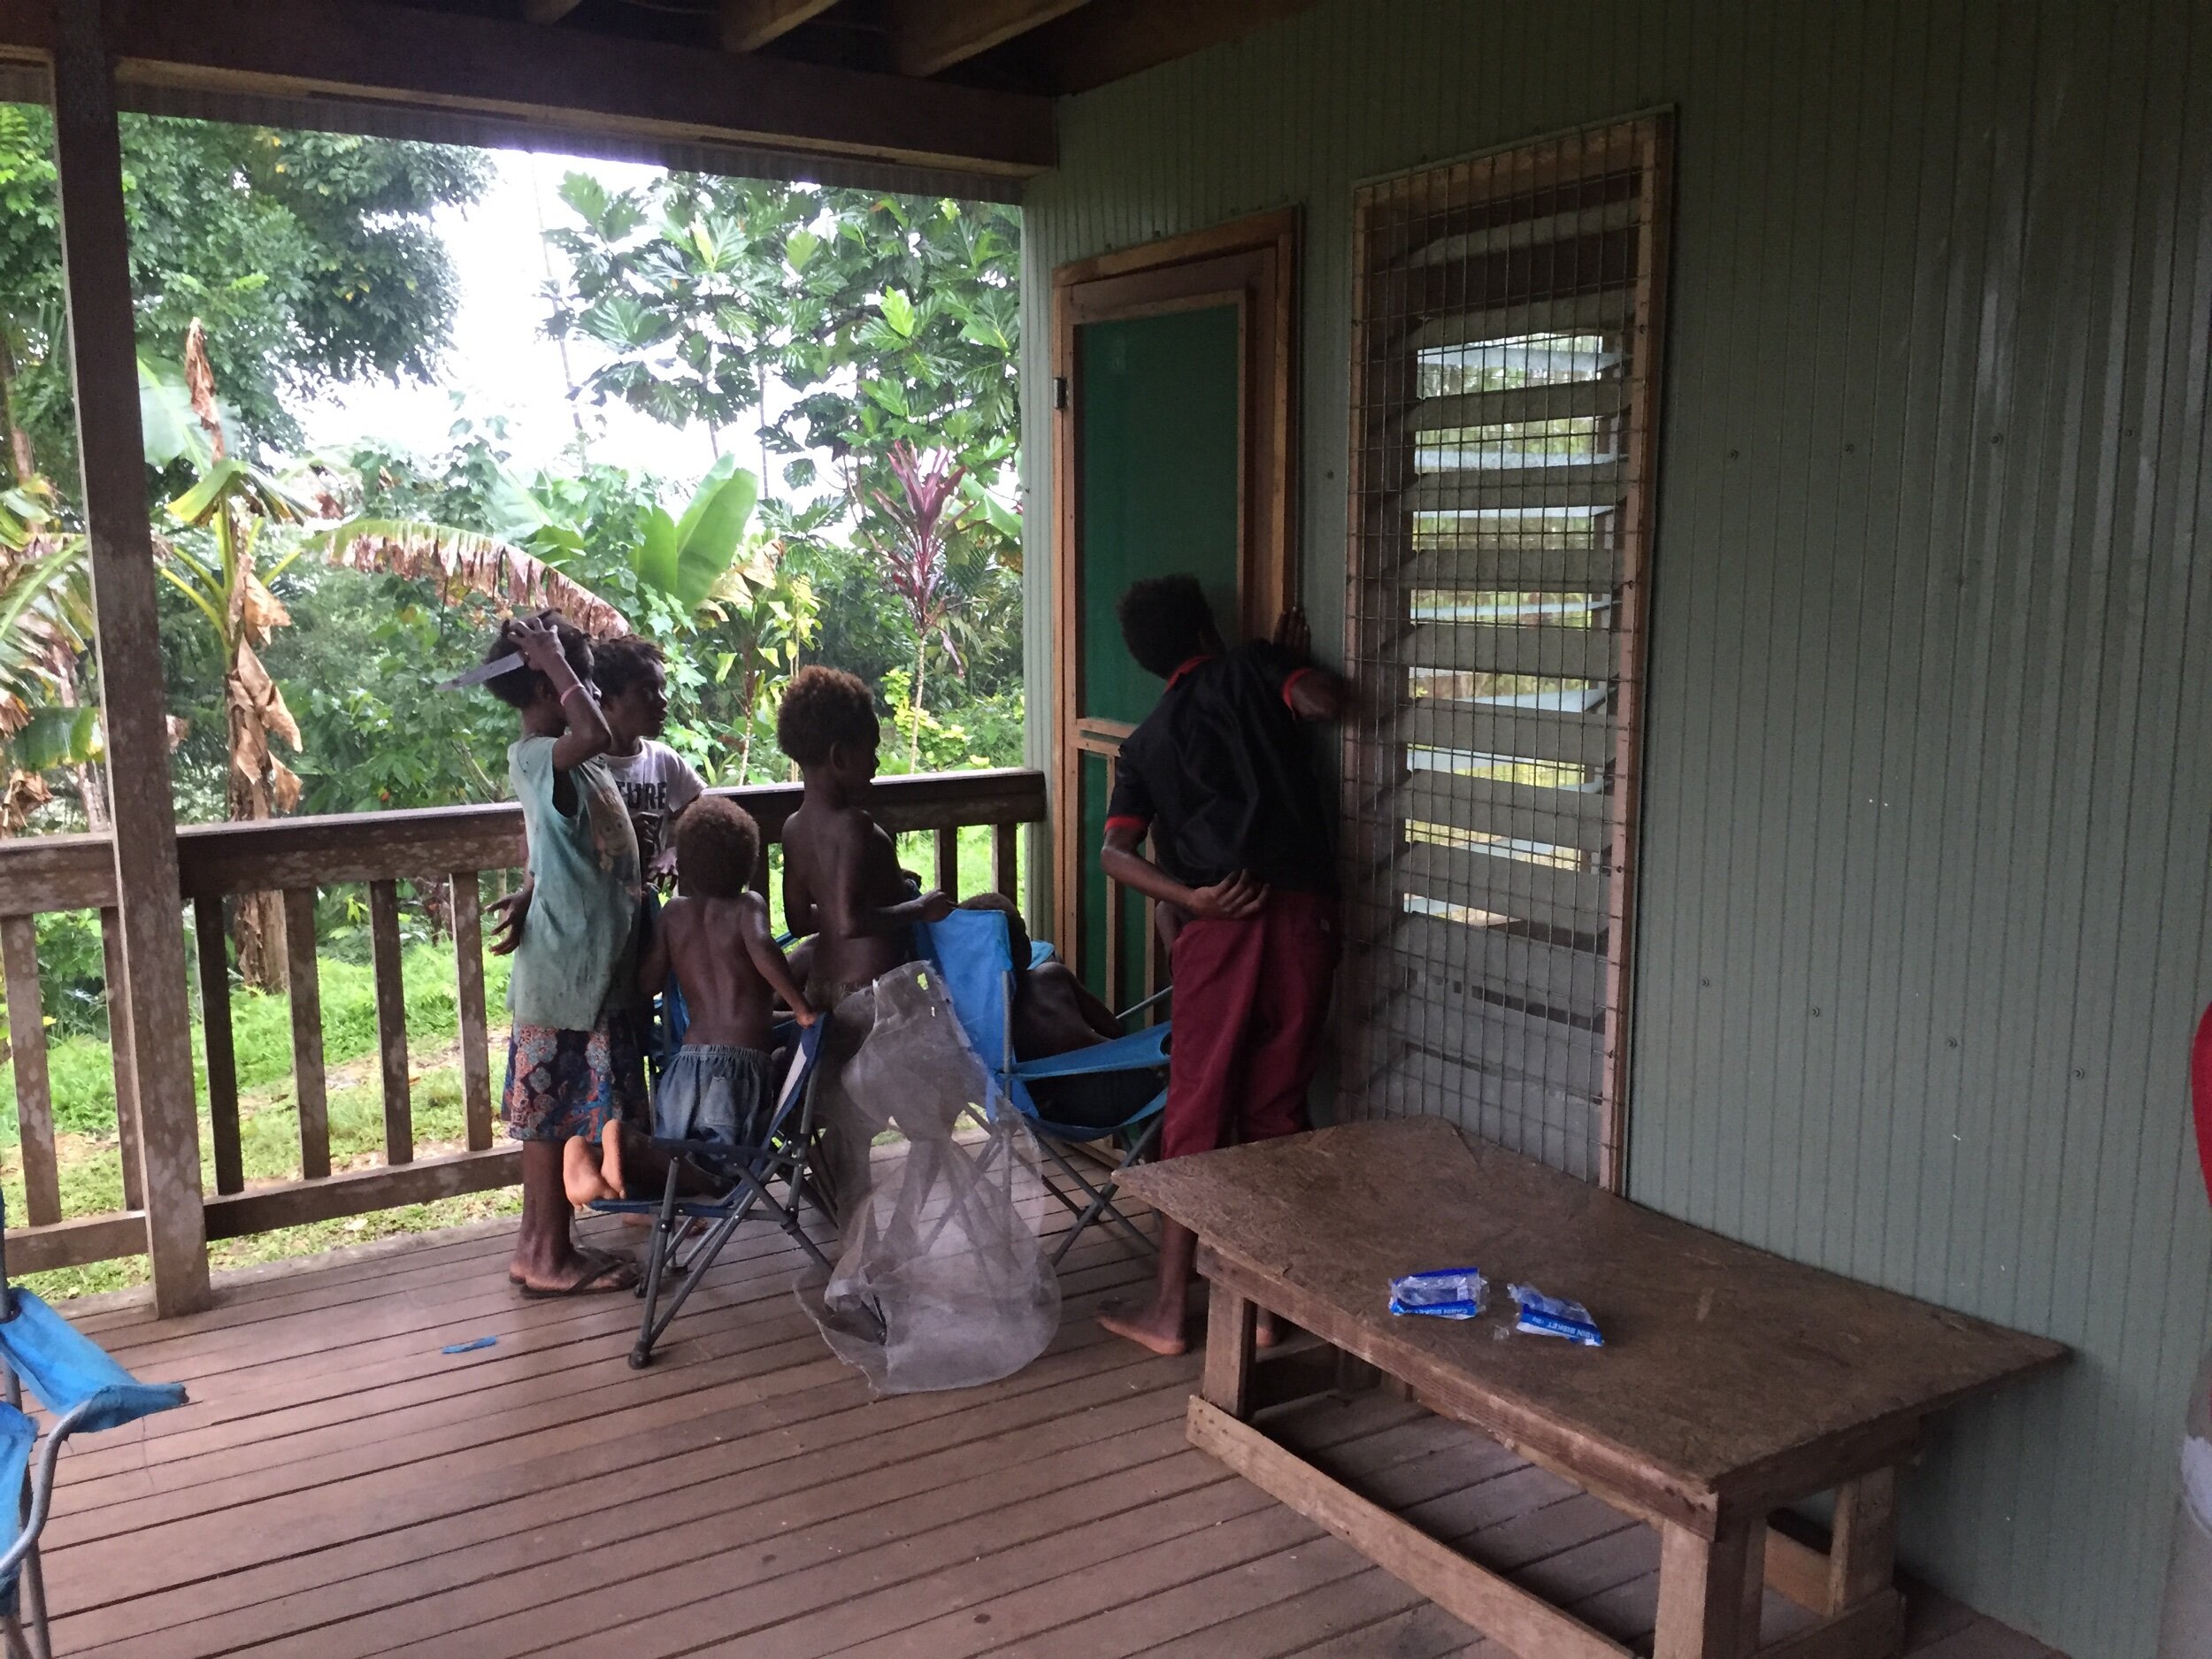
(459, 562)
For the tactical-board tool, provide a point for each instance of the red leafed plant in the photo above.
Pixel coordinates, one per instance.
(923, 512)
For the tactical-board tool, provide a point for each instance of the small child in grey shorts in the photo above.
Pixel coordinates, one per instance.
(714, 1092)
(715, 938)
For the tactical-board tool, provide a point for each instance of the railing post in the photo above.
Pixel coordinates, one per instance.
(103, 362)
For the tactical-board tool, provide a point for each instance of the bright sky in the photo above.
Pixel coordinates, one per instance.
(501, 364)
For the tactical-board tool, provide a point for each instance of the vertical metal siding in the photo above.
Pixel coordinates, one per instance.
(1928, 805)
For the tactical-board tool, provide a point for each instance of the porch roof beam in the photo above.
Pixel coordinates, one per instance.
(745, 25)
(507, 68)
(934, 35)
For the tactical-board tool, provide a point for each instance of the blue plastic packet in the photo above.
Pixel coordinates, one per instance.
(470, 1346)
(1443, 1293)
(1551, 1316)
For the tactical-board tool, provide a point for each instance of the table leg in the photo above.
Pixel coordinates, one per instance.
(1230, 1320)
(1709, 1590)
(1862, 1558)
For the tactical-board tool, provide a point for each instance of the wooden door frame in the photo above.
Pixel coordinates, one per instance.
(1255, 263)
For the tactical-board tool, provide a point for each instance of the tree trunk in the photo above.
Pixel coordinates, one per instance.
(257, 919)
(749, 701)
(91, 786)
(19, 439)
(914, 748)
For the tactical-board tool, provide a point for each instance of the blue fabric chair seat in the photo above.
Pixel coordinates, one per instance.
(974, 949)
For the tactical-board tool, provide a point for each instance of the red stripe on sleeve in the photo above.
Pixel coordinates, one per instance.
(1140, 825)
(1291, 685)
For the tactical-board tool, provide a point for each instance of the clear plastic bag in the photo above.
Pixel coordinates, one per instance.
(940, 1282)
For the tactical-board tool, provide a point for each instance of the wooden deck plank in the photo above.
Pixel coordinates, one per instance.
(799, 1522)
(831, 1605)
(565, 1362)
(333, 1499)
(398, 1564)
(338, 1489)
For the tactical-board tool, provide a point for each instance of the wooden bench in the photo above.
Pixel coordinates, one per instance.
(1732, 1385)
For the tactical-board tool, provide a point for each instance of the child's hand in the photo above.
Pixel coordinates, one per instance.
(508, 916)
(937, 904)
(534, 637)
(661, 873)
(806, 1014)
(1232, 900)
(1294, 634)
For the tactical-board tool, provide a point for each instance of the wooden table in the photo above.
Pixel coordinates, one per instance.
(1733, 1383)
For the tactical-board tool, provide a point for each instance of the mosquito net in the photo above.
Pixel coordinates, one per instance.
(940, 1282)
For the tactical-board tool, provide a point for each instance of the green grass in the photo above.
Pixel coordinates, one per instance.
(88, 1156)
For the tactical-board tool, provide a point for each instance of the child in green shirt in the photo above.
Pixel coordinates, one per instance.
(574, 1061)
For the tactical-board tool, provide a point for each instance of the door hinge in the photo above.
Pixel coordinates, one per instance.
(1059, 391)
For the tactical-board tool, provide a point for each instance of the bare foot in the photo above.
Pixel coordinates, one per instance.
(580, 1176)
(1149, 1328)
(610, 1158)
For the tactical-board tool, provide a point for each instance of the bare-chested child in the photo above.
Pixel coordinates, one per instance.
(715, 938)
(842, 882)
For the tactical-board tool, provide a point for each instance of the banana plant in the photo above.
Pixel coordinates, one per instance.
(232, 514)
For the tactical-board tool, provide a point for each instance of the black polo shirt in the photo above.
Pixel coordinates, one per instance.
(1221, 774)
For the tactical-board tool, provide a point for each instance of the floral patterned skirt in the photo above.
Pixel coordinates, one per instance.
(562, 1084)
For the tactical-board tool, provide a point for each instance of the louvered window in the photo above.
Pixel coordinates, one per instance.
(1504, 391)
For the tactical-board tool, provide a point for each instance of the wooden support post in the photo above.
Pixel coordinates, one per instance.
(34, 1091)
(948, 860)
(1862, 1558)
(391, 1023)
(122, 1057)
(1231, 1320)
(468, 960)
(1006, 859)
(104, 365)
(1709, 1590)
(222, 1053)
(308, 1079)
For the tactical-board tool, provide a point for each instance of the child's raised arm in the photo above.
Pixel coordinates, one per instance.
(586, 735)
(768, 957)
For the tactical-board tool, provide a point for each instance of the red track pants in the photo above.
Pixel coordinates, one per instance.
(1251, 1001)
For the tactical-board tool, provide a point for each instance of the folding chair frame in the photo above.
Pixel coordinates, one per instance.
(1142, 1132)
(784, 1155)
(25, 1628)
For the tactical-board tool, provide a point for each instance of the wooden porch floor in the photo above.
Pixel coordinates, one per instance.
(340, 1488)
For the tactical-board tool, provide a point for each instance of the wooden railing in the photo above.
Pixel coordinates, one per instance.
(299, 857)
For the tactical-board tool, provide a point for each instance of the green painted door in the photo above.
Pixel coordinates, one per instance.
(1160, 490)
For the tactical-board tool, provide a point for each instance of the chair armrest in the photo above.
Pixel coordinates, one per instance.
(1140, 1051)
(1135, 1009)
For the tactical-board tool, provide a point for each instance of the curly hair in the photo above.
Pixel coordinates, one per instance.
(618, 665)
(1166, 621)
(823, 707)
(717, 845)
(519, 688)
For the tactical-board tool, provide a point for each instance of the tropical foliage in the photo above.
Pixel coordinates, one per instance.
(850, 355)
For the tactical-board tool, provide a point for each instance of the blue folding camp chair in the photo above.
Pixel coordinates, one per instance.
(974, 950)
(83, 1390)
(770, 1179)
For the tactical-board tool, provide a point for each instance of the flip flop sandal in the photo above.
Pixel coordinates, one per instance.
(602, 1267)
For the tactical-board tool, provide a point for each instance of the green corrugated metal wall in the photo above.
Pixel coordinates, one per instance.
(1928, 791)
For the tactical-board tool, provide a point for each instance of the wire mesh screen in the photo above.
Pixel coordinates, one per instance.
(1504, 394)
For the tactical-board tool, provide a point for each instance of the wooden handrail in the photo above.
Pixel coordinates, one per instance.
(77, 872)
(297, 857)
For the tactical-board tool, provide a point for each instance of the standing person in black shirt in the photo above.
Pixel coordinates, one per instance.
(1220, 776)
